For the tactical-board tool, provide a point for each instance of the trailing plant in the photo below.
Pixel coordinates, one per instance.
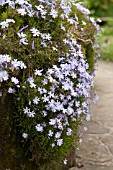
(46, 66)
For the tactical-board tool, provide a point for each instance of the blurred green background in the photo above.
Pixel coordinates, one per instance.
(103, 9)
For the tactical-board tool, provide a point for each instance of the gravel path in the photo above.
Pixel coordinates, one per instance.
(96, 151)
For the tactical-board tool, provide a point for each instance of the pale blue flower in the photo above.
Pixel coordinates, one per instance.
(25, 135)
(36, 100)
(39, 128)
(21, 11)
(57, 135)
(59, 142)
(14, 80)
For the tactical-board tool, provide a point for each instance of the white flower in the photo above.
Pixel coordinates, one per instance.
(62, 27)
(39, 7)
(54, 13)
(51, 94)
(25, 135)
(51, 79)
(43, 44)
(38, 72)
(35, 32)
(46, 36)
(30, 12)
(77, 103)
(54, 49)
(99, 20)
(85, 128)
(93, 20)
(65, 41)
(4, 36)
(40, 90)
(5, 58)
(4, 24)
(39, 128)
(26, 110)
(60, 126)
(24, 41)
(21, 11)
(57, 135)
(80, 140)
(45, 98)
(71, 20)
(52, 121)
(16, 64)
(21, 34)
(21, 2)
(50, 71)
(50, 134)
(30, 80)
(74, 75)
(10, 90)
(44, 113)
(43, 13)
(82, 9)
(14, 80)
(69, 132)
(10, 20)
(65, 161)
(29, 103)
(59, 142)
(22, 65)
(44, 90)
(33, 44)
(53, 145)
(83, 23)
(70, 110)
(31, 114)
(4, 76)
(2, 2)
(36, 100)
(33, 85)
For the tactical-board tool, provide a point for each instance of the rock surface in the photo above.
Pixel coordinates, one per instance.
(96, 151)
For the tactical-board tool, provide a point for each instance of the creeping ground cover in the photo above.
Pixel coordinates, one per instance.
(47, 58)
